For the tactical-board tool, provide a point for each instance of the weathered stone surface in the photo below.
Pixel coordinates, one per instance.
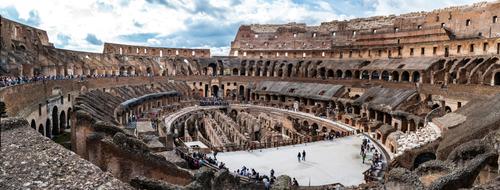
(283, 182)
(31, 161)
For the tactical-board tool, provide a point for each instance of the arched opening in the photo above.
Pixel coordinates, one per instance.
(242, 72)
(33, 124)
(280, 73)
(435, 106)
(41, 129)
(412, 125)
(55, 121)
(348, 74)
(365, 75)
(447, 109)
(385, 75)
(322, 72)
(241, 91)
(395, 76)
(129, 70)
(235, 72)
(356, 74)
(62, 122)
(422, 158)
(305, 125)
(329, 73)
(47, 128)
(123, 72)
(416, 76)
(289, 70)
(339, 73)
(149, 71)
(215, 91)
(375, 75)
(405, 76)
(497, 79)
(214, 68)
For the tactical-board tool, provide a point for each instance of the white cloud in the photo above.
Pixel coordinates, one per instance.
(110, 20)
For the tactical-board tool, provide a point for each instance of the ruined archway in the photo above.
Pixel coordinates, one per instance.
(496, 79)
(329, 73)
(423, 157)
(405, 76)
(47, 128)
(289, 70)
(62, 121)
(322, 72)
(416, 76)
(33, 124)
(241, 91)
(339, 73)
(214, 68)
(55, 121)
(375, 75)
(41, 129)
(215, 91)
(395, 76)
(385, 75)
(365, 75)
(348, 74)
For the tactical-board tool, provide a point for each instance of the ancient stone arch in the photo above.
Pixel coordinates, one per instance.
(423, 157)
(33, 124)
(55, 121)
(330, 73)
(405, 76)
(339, 73)
(395, 76)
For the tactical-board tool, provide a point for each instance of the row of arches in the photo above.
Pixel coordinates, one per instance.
(311, 70)
(55, 124)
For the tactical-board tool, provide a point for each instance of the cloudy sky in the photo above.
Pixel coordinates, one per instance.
(85, 24)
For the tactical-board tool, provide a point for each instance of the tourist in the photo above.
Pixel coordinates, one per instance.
(295, 183)
(272, 173)
(298, 156)
(267, 185)
(363, 154)
(303, 155)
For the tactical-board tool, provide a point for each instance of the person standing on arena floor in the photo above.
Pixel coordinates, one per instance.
(298, 156)
(295, 183)
(303, 155)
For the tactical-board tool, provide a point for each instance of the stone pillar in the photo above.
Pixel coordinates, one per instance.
(80, 129)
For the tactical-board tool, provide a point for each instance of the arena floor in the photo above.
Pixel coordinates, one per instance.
(327, 162)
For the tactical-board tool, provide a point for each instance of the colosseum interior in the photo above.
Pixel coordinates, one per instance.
(418, 93)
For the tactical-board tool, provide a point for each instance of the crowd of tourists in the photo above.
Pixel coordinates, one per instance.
(11, 80)
(213, 101)
(333, 135)
(376, 165)
(200, 159)
(252, 174)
